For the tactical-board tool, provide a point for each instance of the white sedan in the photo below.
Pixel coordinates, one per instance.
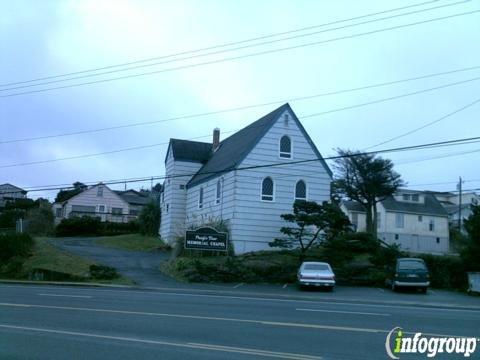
(316, 274)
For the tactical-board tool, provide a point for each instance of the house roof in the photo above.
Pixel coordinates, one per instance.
(233, 150)
(431, 206)
(134, 197)
(353, 206)
(11, 188)
(187, 150)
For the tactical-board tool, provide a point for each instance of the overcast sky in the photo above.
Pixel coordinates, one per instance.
(47, 38)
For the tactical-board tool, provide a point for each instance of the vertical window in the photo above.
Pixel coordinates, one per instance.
(101, 208)
(285, 147)
(167, 208)
(415, 197)
(301, 190)
(355, 218)
(218, 196)
(420, 218)
(59, 212)
(396, 236)
(200, 198)
(267, 189)
(399, 220)
(438, 240)
(431, 225)
(406, 197)
(100, 191)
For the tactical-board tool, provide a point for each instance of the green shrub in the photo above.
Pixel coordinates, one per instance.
(102, 272)
(446, 272)
(149, 219)
(92, 226)
(8, 218)
(14, 244)
(39, 221)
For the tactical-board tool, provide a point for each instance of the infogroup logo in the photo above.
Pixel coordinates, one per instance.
(428, 345)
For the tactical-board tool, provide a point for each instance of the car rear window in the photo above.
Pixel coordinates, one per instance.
(411, 265)
(320, 267)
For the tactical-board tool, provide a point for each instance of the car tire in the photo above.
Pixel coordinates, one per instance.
(423, 290)
(330, 288)
(394, 288)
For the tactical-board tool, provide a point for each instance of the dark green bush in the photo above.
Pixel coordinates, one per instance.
(102, 272)
(78, 226)
(8, 218)
(149, 219)
(14, 244)
(446, 272)
(92, 226)
(39, 221)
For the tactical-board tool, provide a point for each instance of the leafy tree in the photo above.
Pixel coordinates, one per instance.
(313, 223)
(40, 221)
(471, 253)
(64, 195)
(149, 219)
(367, 179)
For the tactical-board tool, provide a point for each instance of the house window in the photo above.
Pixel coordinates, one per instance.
(101, 208)
(420, 218)
(415, 197)
(438, 240)
(59, 212)
(200, 198)
(100, 191)
(399, 220)
(301, 190)
(355, 219)
(396, 236)
(167, 208)
(285, 147)
(431, 225)
(117, 211)
(267, 189)
(182, 187)
(406, 197)
(218, 196)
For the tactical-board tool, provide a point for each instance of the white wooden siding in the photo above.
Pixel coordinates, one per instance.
(173, 221)
(255, 222)
(211, 210)
(109, 199)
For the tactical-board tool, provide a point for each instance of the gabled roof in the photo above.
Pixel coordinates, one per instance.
(134, 197)
(233, 150)
(186, 150)
(353, 206)
(431, 206)
(11, 188)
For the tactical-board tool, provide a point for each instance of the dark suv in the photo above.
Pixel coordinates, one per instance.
(412, 273)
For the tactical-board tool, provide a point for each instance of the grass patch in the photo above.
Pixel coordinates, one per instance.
(46, 262)
(132, 242)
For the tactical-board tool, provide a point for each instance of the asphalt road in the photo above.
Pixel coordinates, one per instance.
(142, 267)
(54, 322)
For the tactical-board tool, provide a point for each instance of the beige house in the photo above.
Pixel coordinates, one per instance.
(100, 201)
(415, 220)
(9, 192)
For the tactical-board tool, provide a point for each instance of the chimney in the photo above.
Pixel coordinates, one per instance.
(216, 139)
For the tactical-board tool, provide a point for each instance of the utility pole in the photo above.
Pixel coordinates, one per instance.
(460, 203)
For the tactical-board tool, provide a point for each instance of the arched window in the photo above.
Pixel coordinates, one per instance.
(267, 189)
(200, 198)
(285, 147)
(218, 197)
(301, 190)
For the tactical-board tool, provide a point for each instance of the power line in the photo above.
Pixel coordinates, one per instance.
(219, 45)
(446, 143)
(244, 56)
(426, 125)
(216, 112)
(443, 183)
(229, 50)
(203, 136)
